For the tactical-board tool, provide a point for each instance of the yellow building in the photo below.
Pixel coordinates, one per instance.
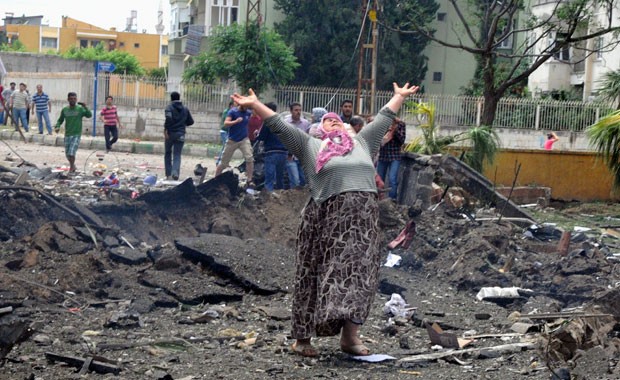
(151, 50)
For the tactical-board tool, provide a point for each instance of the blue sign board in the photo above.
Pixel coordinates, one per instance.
(105, 66)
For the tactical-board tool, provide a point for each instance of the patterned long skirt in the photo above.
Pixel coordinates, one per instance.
(337, 264)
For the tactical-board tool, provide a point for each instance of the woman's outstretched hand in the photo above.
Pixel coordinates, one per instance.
(406, 90)
(247, 100)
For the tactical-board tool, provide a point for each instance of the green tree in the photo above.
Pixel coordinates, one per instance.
(15, 45)
(253, 56)
(482, 27)
(158, 73)
(324, 37)
(126, 63)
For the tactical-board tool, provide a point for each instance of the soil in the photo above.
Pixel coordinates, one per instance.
(194, 281)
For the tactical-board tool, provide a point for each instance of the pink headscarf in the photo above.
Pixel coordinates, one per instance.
(335, 143)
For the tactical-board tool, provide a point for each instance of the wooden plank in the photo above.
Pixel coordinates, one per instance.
(73, 361)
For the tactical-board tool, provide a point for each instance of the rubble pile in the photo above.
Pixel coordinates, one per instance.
(189, 281)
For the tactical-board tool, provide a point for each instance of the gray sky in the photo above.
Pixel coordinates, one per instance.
(104, 13)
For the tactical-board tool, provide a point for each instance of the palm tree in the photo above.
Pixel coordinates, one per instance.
(604, 136)
(610, 89)
(483, 141)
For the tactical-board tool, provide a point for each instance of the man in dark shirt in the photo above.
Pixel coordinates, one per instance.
(275, 157)
(390, 155)
(177, 118)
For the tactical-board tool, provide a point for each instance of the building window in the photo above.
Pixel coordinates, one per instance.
(441, 16)
(599, 43)
(164, 49)
(47, 42)
(224, 12)
(437, 76)
(136, 45)
(94, 43)
(506, 43)
(84, 43)
(121, 44)
(564, 53)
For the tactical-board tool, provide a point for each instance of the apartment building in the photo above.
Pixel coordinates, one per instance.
(581, 67)
(151, 50)
(192, 21)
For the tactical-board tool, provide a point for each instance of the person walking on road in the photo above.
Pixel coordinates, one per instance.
(19, 107)
(43, 106)
(111, 123)
(178, 118)
(6, 102)
(72, 117)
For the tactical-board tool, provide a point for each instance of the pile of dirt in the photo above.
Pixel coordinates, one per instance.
(195, 281)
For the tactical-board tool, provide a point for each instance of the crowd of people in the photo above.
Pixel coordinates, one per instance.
(17, 104)
(242, 128)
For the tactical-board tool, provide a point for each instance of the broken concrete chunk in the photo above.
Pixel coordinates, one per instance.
(123, 319)
(110, 241)
(13, 331)
(128, 256)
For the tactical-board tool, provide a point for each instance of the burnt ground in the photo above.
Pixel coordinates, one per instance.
(193, 282)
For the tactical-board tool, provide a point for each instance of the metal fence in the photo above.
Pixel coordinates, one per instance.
(127, 90)
(459, 111)
(450, 110)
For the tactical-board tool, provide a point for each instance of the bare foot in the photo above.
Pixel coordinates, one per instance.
(304, 348)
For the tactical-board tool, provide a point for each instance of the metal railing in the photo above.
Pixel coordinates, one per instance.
(128, 90)
(459, 111)
(450, 110)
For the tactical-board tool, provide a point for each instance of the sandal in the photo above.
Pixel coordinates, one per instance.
(305, 350)
(356, 350)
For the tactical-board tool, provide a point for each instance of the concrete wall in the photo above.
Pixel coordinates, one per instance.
(514, 138)
(34, 63)
(147, 124)
(570, 175)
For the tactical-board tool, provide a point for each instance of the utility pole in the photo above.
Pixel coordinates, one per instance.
(367, 73)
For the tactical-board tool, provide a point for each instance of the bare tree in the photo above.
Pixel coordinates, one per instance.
(483, 26)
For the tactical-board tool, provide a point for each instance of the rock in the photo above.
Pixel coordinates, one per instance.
(42, 339)
(31, 258)
(128, 256)
(110, 241)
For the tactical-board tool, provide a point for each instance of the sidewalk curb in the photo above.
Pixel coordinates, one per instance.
(122, 145)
